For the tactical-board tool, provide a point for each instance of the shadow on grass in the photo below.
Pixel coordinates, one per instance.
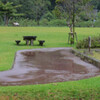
(28, 45)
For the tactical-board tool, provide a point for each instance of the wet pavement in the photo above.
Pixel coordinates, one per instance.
(41, 66)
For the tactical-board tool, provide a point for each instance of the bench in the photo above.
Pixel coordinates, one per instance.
(41, 42)
(17, 42)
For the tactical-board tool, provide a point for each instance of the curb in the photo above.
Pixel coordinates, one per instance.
(87, 58)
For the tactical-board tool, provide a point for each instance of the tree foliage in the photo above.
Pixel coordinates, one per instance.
(7, 10)
(71, 9)
(40, 7)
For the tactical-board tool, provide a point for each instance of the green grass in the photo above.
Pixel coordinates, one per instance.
(96, 55)
(54, 37)
(88, 89)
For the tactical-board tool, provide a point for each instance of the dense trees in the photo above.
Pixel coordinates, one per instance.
(47, 10)
(40, 7)
(29, 6)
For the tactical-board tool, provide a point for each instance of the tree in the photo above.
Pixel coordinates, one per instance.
(96, 4)
(40, 8)
(28, 6)
(53, 4)
(71, 9)
(7, 10)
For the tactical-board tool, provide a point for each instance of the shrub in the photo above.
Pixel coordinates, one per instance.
(95, 43)
(44, 22)
(84, 24)
(57, 22)
(23, 22)
(97, 23)
(49, 16)
(1, 21)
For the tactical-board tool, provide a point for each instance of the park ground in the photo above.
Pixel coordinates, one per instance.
(88, 89)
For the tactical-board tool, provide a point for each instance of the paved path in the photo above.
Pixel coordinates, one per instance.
(40, 66)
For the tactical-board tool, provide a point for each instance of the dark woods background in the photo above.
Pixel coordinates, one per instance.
(45, 13)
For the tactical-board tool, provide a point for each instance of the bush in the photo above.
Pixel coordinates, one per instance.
(44, 22)
(48, 16)
(97, 23)
(84, 24)
(49, 20)
(95, 43)
(23, 22)
(1, 21)
(57, 22)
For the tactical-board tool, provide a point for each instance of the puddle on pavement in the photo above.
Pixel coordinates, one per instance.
(48, 66)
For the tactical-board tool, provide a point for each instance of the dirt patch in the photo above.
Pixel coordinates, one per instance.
(43, 66)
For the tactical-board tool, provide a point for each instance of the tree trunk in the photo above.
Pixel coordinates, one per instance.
(38, 22)
(73, 22)
(6, 20)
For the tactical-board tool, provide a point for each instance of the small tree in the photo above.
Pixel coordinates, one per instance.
(71, 9)
(8, 10)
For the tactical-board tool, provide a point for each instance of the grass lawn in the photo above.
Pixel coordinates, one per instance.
(96, 55)
(88, 89)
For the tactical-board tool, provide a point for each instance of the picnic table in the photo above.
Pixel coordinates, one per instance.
(30, 39)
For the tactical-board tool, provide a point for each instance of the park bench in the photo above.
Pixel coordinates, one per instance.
(17, 42)
(41, 42)
(29, 38)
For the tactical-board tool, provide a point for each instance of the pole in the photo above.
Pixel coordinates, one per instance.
(89, 43)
